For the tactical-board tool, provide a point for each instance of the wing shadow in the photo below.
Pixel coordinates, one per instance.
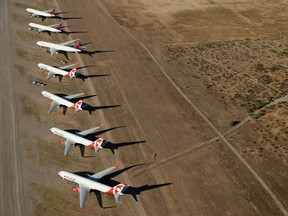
(87, 66)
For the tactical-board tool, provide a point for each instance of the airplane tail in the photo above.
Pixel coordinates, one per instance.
(98, 144)
(78, 106)
(77, 45)
(118, 190)
(72, 73)
(59, 27)
(53, 11)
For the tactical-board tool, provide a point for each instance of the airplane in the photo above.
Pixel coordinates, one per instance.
(56, 28)
(86, 184)
(72, 139)
(59, 71)
(43, 14)
(63, 101)
(62, 47)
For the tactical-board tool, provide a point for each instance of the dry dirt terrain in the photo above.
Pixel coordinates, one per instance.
(195, 82)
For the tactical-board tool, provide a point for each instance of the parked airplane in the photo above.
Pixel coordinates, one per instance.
(62, 47)
(72, 139)
(63, 101)
(56, 28)
(43, 14)
(91, 183)
(59, 71)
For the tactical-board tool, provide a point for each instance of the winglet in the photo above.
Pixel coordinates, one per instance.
(116, 165)
(101, 125)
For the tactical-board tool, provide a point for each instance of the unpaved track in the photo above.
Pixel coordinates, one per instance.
(11, 196)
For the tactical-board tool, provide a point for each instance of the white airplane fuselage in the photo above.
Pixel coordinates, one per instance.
(73, 137)
(92, 184)
(53, 69)
(44, 28)
(58, 47)
(39, 13)
(56, 98)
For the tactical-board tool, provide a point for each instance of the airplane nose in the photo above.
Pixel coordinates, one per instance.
(60, 173)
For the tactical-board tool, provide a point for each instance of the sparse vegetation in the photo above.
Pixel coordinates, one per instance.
(233, 123)
(251, 72)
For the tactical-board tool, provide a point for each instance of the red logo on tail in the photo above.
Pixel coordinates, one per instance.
(72, 72)
(53, 11)
(117, 189)
(77, 105)
(77, 46)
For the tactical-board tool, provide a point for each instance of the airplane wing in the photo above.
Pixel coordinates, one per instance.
(53, 106)
(55, 25)
(73, 96)
(83, 192)
(89, 131)
(50, 74)
(68, 146)
(99, 175)
(68, 42)
(67, 66)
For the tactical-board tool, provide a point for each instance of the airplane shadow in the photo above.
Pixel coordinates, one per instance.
(78, 32)
(92, 135)
(114, 146)
(70, 18)
(133, 191)
(91, 53)
(85, 106)
(109, 145)
(84, 77)
(90, 109)
(87, 66)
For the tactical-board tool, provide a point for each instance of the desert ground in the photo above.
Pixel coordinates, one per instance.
(201, 84)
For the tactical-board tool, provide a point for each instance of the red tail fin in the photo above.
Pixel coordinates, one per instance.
(77, 106)
(53, 11)
(78, 45)
(117, 189)
(72, 73)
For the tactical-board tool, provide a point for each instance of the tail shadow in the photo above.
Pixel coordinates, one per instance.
(134, 191)
(78, 32)
(91, 109)
(84, 77)
(91, 53)
(70, 18)
(113, 146)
